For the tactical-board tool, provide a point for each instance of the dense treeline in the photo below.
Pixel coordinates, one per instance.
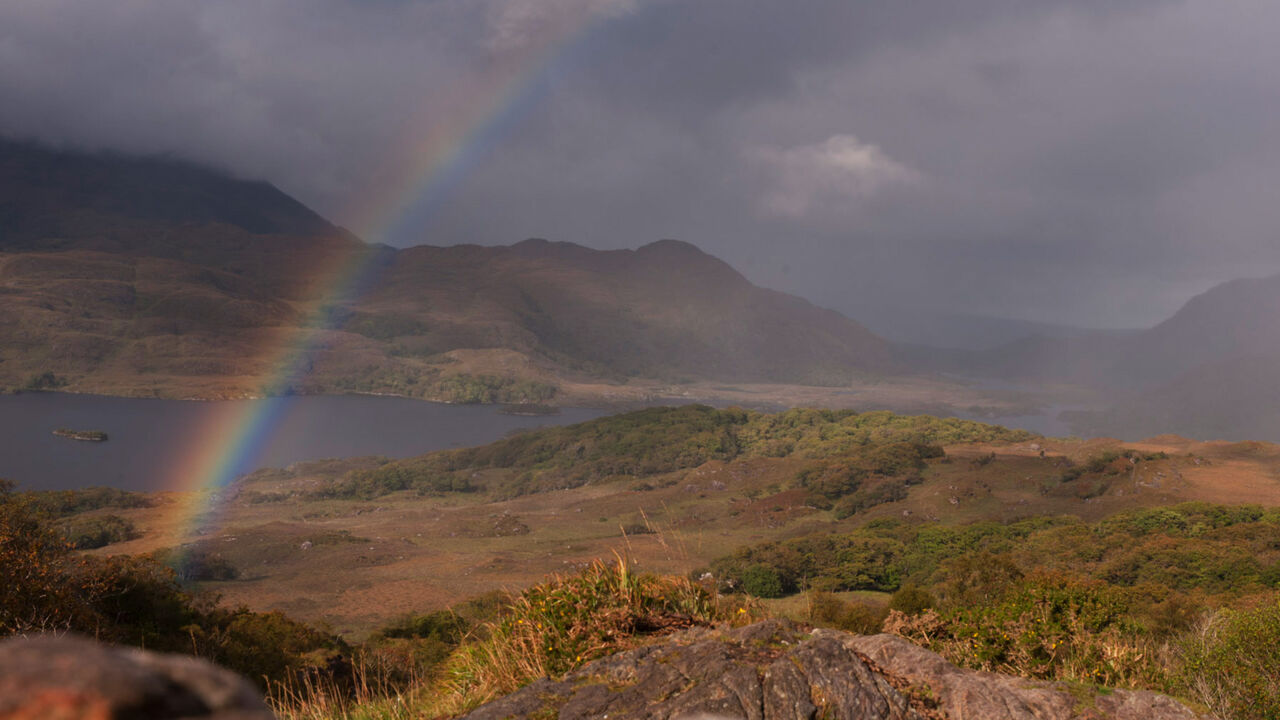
(661, 440)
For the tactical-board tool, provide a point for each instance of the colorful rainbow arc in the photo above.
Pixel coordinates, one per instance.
(440, 153)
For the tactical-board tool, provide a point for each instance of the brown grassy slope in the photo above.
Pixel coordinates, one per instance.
(371, 560)
(148, 276)
(666, 309)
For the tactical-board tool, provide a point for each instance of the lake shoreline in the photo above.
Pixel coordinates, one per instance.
(162, 444)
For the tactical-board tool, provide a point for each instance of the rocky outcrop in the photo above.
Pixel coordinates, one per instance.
(772, 670)
(66, 677)
(767, 671)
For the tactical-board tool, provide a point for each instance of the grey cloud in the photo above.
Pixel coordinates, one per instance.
(1085, 162)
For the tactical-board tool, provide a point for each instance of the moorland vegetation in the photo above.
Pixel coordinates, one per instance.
(1177, 598)
(662, 440)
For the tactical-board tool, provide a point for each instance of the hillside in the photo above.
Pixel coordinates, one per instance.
(144, 276)
(1233, 320)
(946, 532)
(1235, 398)
(664, 310)
(1208, 372)
(101, 200)
(677, 488)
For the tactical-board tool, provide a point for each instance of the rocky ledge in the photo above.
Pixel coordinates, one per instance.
(71, 678)
(761, 672)
(774, 670)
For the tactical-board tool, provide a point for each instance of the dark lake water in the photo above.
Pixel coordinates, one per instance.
(148, 437)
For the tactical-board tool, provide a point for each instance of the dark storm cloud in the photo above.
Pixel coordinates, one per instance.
(1075, 162)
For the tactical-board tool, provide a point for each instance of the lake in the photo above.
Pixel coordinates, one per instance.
(148, 437)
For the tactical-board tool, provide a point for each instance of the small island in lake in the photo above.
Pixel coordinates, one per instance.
(87, 435)
(529, 409)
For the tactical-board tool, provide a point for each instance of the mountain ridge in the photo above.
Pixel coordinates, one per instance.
(148, 276)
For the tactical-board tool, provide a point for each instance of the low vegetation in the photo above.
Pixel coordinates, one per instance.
(61, 503)
(661, 440)
(86, 435)
(1179, 599)
(138, 601)
(445, 662)
(1183, 599)
(432, 383)
(95, 531)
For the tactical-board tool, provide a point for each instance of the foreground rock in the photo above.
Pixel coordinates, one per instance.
(772, 670)
(61, 678)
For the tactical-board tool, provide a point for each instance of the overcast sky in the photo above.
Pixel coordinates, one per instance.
(1092, 163)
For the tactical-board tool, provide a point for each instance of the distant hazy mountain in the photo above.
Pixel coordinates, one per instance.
(1237, 319)
(131, 275)
(1225, 400)
(1209, 371)
(966, 331)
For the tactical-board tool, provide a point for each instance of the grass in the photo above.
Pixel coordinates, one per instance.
(404, 552)
(546, 631)
(431, 552)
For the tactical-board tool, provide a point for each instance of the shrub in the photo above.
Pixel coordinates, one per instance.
(1049, 626)
(99, 531)
(195, 563)
(44, 587)
(910, 599)
(442, 625)
(45, 381)
(61, 503)
(827, 610)
(1231, 663)
(137, 601)
(762, 581)
(560, 624)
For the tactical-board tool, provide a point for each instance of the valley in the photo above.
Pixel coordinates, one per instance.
(308, 542)
(155, 278)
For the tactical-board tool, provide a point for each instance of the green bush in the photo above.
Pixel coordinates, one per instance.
(827, 610)
(910, 599)
(762, 581)
(45, 381)
(61, 503)
(558, 625)
(1231, 663)
(655, 441)
(471, 389)
(98, 531)
(1048, 626)
(137, 601)
(443, 625)
(196, 563)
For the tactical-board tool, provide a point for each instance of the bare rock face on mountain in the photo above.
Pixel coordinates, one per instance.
(56, 678)
(772, 670)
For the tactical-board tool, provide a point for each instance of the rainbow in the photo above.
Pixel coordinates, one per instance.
(436, 152)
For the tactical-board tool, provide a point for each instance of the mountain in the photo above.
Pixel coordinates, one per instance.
(92, 200)
(664, 310)
(143, 276)
(966, 331)
(1234, 320)
(1212, 370)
